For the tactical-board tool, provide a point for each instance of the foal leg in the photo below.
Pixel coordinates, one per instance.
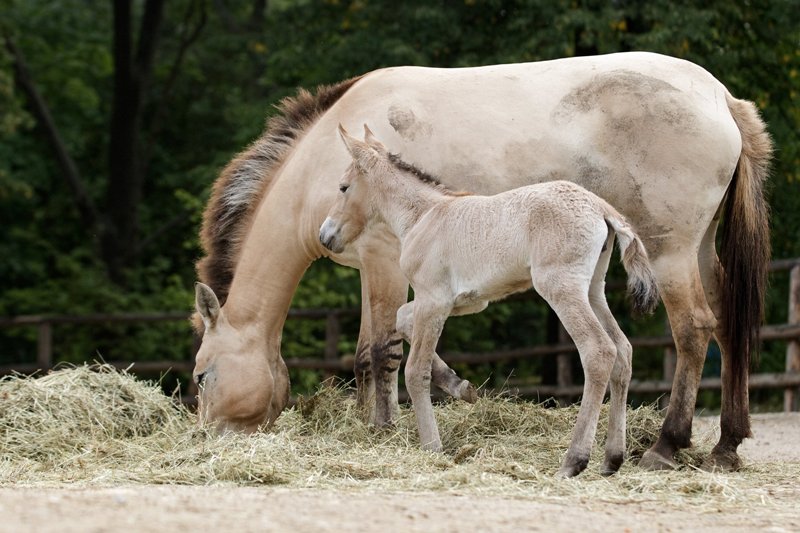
(621, 372)
(569, 299)
(442, 375)
(734, 415)
(385, 290)
(428, 321)
(692, 323)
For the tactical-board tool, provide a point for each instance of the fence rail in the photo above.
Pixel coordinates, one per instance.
(333, 362)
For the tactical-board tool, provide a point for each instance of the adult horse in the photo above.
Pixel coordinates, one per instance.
(659, 138)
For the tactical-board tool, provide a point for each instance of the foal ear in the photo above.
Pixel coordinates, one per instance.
(206, 303)
(371, 140)
(363, 154)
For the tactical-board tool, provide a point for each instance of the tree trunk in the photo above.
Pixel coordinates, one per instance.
(125, 180)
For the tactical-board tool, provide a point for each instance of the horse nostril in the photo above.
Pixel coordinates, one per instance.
(198, 378)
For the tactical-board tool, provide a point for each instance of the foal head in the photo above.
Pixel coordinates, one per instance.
(354, 208)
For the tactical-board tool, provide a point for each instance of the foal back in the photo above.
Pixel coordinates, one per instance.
(489, 245)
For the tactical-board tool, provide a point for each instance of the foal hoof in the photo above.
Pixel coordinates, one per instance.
(572, 467)
(467, 392)
(722, 461)
(652, 460)
(384, 425)
(612, 464)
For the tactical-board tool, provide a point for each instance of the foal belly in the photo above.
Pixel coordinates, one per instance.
(491, 280)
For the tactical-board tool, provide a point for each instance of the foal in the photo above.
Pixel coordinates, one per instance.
(460, 251)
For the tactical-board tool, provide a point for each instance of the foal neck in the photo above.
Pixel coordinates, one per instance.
(406, 197)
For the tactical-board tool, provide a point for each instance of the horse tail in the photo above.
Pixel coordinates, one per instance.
(745, 246)
(642, 286)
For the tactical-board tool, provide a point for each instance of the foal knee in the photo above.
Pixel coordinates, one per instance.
(598, 365)
(623, 365)
(418, 379)
(405, 321)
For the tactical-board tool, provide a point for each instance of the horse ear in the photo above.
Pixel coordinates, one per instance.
(207, 304)
(363, 154)
(371, 140)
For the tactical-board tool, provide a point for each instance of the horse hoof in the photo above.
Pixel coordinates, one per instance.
(722, 462)
(654, 461)
(468, 392)
(612, 464)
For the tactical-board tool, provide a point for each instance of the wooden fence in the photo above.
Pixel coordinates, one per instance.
(332, 362)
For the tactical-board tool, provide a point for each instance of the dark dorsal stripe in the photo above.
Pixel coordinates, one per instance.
(423, 176)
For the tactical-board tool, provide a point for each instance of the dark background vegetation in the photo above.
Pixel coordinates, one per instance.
(115, 118)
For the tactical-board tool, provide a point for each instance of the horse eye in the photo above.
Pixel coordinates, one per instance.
(344, 188)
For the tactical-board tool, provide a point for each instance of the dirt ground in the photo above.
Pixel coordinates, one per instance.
(191, 508)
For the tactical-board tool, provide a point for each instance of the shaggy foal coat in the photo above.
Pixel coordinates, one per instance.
(460, 252)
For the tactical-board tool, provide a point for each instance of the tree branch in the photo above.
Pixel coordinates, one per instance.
(44, 118)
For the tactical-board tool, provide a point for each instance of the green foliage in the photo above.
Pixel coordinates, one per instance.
(209, 98)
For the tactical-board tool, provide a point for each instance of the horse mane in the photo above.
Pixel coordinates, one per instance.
(242, 183)
(423, 176)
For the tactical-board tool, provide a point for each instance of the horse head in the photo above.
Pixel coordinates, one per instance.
(238, 390)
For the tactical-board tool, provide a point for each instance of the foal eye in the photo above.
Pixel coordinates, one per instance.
(344, 188)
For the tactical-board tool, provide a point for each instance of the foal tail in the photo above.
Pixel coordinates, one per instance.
(641, 280)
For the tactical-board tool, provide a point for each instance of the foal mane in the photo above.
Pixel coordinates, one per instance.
(242, 183)
(423, 176)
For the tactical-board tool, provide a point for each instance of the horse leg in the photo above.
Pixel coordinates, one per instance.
(569, 299)
(444, 377)
(428, 321)
(692, 323)
(621, 372)
(385, 290)
(734, 415)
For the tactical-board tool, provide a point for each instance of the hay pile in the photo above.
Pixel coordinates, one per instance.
(101, 426)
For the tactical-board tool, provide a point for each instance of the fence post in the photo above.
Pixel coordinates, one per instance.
(44, 346)
(332, 333)
(791, 395)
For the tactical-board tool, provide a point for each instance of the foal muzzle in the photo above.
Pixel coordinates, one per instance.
(329, 236)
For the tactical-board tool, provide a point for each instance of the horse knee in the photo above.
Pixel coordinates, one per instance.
(386, 356)
(693, 330)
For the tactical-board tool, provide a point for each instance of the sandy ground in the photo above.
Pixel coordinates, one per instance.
(181, 508)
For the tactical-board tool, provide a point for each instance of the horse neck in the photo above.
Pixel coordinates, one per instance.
(271, 263)
(403, 199)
